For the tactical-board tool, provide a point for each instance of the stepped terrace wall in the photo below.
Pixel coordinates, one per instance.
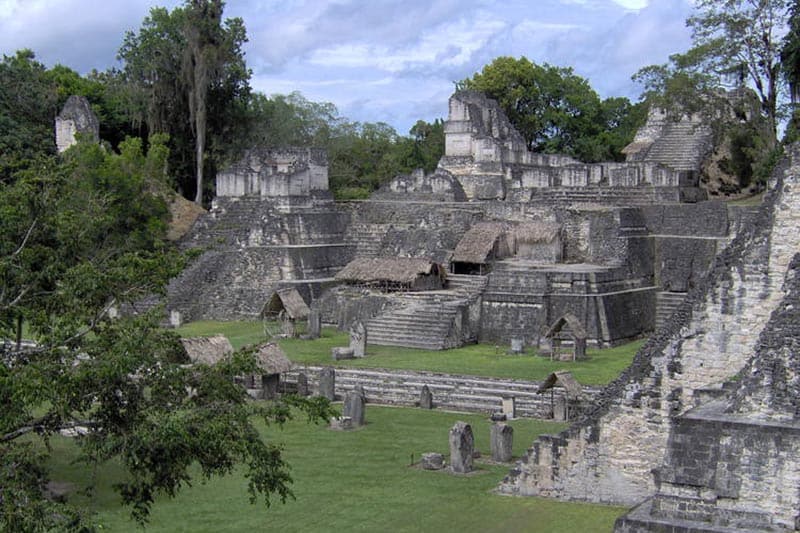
(609, 455)
(451, 392)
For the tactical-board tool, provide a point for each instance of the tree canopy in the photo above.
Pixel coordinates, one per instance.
(79, 235)
(188, 76)
(557, 111)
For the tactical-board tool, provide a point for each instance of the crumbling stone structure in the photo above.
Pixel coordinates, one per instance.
(580, 239)
(491, 160)
(708, 403)
(76, 118)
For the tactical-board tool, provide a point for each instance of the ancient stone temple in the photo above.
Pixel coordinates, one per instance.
(518, 239)
(704, 423)
(76, 119)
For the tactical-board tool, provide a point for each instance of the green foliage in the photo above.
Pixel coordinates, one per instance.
(28, 106)
(740, 40)
(361, 156)
(185, 75)
(78, 236)
(557, 111)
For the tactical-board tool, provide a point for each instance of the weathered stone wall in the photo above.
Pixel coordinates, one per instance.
(452, 392)
(491, 159)
(275, 172)
(76, 118)
(609, 456)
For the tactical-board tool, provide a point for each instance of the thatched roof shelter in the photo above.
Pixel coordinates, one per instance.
(289, 301)
(399, 270)
(537, 232)
(565, 379)
(478, 243)
(207, 350)
(272, 360)
(570, 320)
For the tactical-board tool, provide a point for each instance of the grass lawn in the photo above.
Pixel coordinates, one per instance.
(358, 481)
(478, 359)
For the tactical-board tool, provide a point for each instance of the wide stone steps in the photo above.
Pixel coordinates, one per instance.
(463, 283)
(666, 304)
(679, 147)
(416, 326)
(596, 194)
(451, 392)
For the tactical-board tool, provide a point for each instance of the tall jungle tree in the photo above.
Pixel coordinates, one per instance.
(188, 67)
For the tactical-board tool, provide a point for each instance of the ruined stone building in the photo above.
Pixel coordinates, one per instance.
(700, 433)
(76, 118)
(704, 425)
(526, 238)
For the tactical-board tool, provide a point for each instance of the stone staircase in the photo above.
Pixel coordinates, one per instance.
(682, 146)
(452, 392)
(592, 194)
(666, 304)
(428, 320)
(366, 237)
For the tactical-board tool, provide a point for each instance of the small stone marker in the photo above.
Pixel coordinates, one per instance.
(314, 325)
(432, 461)
(358, 339)
(342, 352)
(560, 409)
(327, 383)
(354, 407)
(502, 437)
(302, 384)
(510, 407)
(343, 423)
(462, 446)
(426, 398)
(517, 346)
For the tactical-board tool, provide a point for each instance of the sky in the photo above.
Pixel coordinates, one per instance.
(392, 61)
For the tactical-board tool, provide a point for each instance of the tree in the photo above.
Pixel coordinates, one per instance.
(79, 236)
(555, 110)
(790, 64)
(188, 68)
(28, 107)
(741, 40)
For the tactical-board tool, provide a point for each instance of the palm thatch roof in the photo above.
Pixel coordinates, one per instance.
(207, 350)
(565, 379)
(477, 244)
(537, 232)
(570, 320)
(288, 300)
(391, 269)
(272, 360)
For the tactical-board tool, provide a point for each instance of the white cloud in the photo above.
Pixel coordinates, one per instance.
(632, 4)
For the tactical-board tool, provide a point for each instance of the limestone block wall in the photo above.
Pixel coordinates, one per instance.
(275, 172)
(451, 392)
(609, 456)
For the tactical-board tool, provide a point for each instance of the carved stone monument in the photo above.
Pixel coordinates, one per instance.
(327, 383)
(354, 407)
(426, 398)
(502, 438)
(432, 461)
(358, 339)
(342, 352)
(462, 446)
(314, 325)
